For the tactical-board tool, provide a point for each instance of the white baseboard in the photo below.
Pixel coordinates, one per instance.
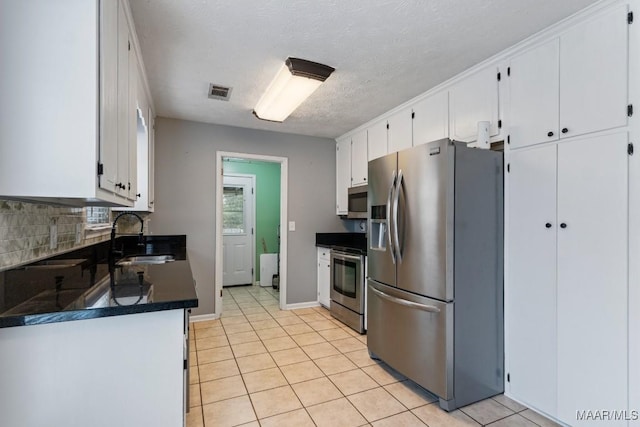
(204, 317)
(302, 305)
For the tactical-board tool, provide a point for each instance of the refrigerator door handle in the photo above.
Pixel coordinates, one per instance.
(396, 202)
(391, 247)
(423, 307)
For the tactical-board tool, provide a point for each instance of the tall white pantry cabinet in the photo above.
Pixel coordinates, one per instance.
(571, 339)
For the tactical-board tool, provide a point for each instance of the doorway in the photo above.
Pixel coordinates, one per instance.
(265, 245)
(238, 229)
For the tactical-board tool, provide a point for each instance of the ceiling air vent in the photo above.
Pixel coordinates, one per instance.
(219, 92)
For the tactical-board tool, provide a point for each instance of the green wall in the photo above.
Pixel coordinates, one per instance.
(267, 201)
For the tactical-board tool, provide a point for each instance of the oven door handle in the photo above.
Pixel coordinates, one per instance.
(345, 257)
(423, 307)
(389, 222)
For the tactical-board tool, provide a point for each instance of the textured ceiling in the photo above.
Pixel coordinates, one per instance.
(385, 52)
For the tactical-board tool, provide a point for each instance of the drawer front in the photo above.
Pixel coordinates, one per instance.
(412, 334)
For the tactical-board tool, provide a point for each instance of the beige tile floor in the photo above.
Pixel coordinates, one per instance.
(261, 366)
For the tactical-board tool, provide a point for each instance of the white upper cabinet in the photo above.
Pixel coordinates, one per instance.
(359, 161)
(471, 100)
(70, 143)
(377, 140)
(534, 87)
(343, 175)
(571, 85)
(144, 156)
(152, 161)
(593, 74)
(109, 94)
(399, 135)
(132, 122)
(431, 118)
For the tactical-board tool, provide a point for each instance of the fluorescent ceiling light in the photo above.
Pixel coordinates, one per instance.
(295, 82)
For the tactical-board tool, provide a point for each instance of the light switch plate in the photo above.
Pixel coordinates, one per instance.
(79, 232)
(53, 236)
(292, 226)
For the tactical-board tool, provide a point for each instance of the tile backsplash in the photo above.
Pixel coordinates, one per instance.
(24, 231)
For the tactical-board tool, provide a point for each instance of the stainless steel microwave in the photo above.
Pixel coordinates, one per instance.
(357, 202)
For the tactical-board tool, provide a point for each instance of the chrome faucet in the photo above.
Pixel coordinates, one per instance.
(113, 231)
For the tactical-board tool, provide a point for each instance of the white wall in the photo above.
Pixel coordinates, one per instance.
(185, 195)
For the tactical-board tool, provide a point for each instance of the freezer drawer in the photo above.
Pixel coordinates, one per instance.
(412, 334)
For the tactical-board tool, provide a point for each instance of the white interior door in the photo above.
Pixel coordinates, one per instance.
(237, 228)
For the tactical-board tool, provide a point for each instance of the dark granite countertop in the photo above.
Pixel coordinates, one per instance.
(357, 241)
(77, 285)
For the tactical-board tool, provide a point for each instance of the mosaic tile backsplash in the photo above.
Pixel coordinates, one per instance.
(24, 231)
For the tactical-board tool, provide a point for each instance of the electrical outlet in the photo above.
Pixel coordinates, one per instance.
(79, 232)
(53, 236)
(292, 226)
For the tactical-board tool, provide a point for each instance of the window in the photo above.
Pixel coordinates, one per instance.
(233, 210)
(98, 217)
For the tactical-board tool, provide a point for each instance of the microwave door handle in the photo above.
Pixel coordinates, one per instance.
(389, 198)
(396, 203)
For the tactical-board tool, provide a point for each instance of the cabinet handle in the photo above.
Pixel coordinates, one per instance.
(550, 134)
(565, 130)
(548, 225)
(563, 225)
(138, 195)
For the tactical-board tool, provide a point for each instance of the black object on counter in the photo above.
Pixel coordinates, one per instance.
(78, 285)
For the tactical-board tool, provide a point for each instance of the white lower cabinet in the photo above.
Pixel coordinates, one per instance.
(566, 297)
(324, 276)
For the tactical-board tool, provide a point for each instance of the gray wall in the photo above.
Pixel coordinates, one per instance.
(185, 183)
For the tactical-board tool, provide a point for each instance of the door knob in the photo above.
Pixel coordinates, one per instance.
(563, 225)
(565, 130)
(548, 225)
(550, 134)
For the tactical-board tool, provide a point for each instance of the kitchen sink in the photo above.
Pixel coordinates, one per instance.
(145, 259)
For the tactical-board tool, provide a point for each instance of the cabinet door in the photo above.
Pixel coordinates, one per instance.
(152, 160)
(431, 119)
(592, 275)
(109, 94)
(359, 158)
(593, 74)
(324, 276)
(343, 175)
(132, 186)
(377, 140)
(399, 135)
(534, 103)
(473, 100)
(123, 103)
(531, 291)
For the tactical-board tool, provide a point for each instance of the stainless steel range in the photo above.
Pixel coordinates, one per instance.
(347, 287)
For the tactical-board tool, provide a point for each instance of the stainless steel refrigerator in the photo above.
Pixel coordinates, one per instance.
(435, 277)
